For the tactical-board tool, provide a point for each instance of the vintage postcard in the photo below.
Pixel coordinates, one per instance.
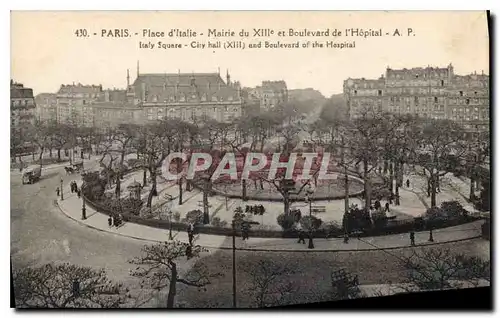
(215, 159)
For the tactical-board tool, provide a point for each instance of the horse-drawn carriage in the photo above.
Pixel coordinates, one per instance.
(74, 168)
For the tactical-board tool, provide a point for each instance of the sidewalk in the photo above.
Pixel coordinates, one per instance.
(71, 206)
(92, 160)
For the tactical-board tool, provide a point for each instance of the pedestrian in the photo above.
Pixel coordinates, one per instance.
(110, 221)
(58, 191)
(412, 238)
(79, 193)
(346, 238)
(407, 183)
(76, 187)
(244, 231)
(431, 238)
(387, 207)
(71, 187)
(301, 237)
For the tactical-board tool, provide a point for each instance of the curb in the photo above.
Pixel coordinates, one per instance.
(56, 202)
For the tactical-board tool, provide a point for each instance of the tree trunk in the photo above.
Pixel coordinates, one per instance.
(153, 189)
(385, 166)
(438, 185)
(58, 154)
(244, 189)
(40, 158)
(118, 185)
(172, 287)
(50, 152)
(286, 203)
(179, 182)
(433, 191)
(70, 159)
(472, 189)
(391, 177)
(144, 179)
(367, 186)
(397, 194)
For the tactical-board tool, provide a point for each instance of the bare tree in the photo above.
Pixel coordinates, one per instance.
(477, 154)
(158, 268)
(436, 269)
(270, 282)
(66, 286)
(440, 141)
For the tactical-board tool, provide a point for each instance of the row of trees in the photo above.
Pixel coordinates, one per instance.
(375, 146)
(378, 145)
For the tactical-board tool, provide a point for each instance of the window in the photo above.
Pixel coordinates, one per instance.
(379, 92)
(442, 83)
(467, 101)
(461, 93)
(435, 99)
(355, 92)
(475, 93)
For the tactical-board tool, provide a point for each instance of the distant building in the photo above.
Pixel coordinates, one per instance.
(75, 103)
(46, 107)
(271, 94)
(427, 92)
(151, 97)
(22, 106)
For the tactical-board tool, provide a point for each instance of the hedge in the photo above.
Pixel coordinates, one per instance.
(393, 227)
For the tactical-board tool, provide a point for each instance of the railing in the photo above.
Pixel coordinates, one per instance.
(392, 227)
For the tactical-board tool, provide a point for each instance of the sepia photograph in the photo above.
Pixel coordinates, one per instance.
(249, 159)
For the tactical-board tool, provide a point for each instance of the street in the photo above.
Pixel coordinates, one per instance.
(41, 234)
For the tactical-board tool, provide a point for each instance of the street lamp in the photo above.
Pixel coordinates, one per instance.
(62, 190)
(234, 262)
(168, 205)
(309, 193)
(84, 210)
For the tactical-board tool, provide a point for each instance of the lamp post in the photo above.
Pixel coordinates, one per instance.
(62, 190)
(234, 263)
(84, 210)
(169, 211)
(309, 193)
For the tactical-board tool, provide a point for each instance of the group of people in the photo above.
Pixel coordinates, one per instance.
(75, 189)
(115, 220)
(255, 209)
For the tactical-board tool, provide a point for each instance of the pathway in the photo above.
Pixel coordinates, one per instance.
(71, 207)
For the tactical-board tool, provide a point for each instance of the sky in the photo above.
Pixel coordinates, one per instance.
(46, 51)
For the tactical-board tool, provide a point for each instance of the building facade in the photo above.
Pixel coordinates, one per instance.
(270, 94)
(46, 105)
(22, 106)
(151, 97)
(427, 92)
(75, 103)
(186, 96)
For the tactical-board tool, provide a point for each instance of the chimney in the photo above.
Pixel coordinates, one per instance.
(128, 79)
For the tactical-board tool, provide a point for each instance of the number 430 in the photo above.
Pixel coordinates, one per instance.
(81, 33)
